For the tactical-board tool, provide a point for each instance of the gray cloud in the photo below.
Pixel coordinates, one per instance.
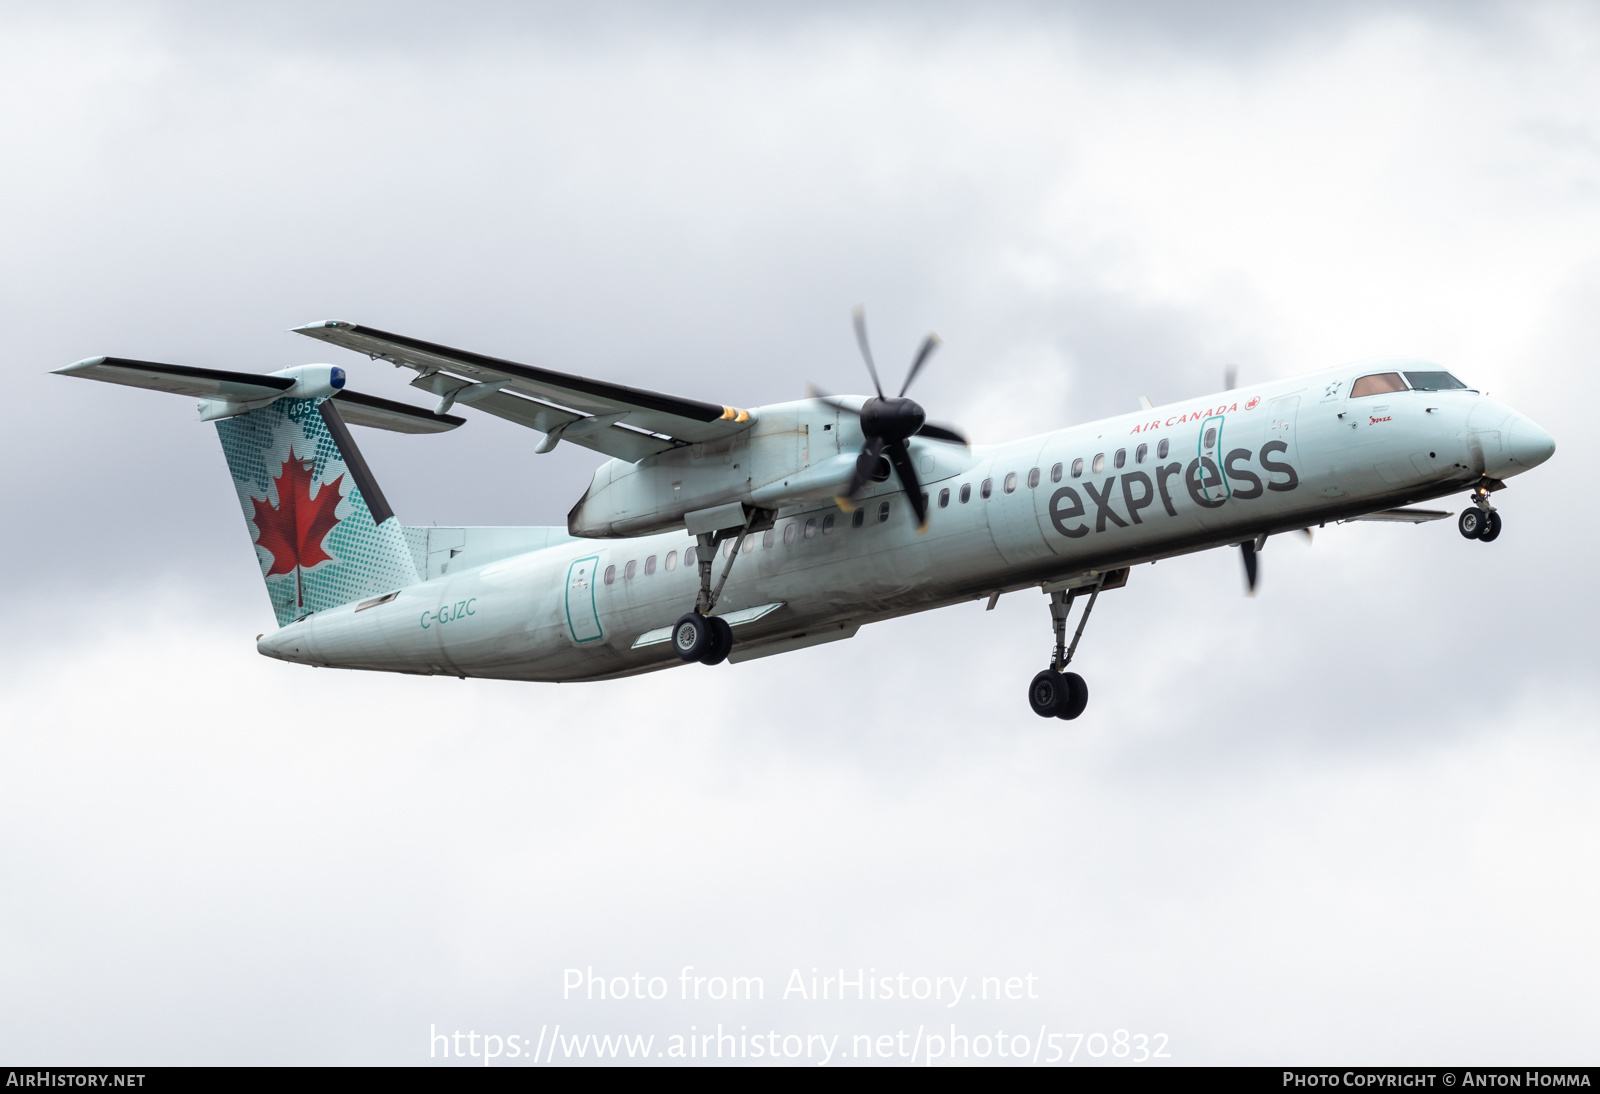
(1351, 812)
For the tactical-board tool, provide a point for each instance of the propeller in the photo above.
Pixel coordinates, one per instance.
(1250, 548)
(887, 424)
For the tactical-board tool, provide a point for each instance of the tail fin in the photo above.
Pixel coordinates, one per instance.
(323, 532)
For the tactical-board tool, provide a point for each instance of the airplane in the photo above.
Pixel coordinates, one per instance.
(715, 533)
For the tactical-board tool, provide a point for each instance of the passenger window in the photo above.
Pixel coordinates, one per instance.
(1140, 453)
(729, 546)
(749, 544)
(688, 558)
(1211, 438)
(1077, 468)
(1379, 383)
(790, 530)
(1055, 473)
(986, 487)
(883, 512)
(650, 565)
(1010, 485)
(944, 498)
(629, 570)
(1099, 462)
(1434, 381)
(966, 492)
(827, 524)
(858, 518)
(1120, 458)
(611, 574)
(768, 538)
(671, 562)
(811, 527)
(1162, 449)
(1033, 478)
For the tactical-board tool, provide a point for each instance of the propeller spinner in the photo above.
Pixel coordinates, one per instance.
(887, 424)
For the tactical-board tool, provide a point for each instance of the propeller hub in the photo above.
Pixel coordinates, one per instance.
(891, 420)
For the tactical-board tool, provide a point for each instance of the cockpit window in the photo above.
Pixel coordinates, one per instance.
(1379, 383)
(1434, 381)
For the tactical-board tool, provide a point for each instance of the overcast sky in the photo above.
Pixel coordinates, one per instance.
(1351, 819)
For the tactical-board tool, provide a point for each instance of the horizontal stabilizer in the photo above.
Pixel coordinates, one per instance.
(198, 383)
(1404, 516)
(232, 393)
(376, 413)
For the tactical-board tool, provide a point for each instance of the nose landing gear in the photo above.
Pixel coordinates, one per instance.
(1482, 522)
(1055, 692)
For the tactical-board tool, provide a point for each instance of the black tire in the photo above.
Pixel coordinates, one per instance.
(691, 636)
(1077, 696)
(1471, 523)
(1047, 693)
(1491, 529)
(721, 641)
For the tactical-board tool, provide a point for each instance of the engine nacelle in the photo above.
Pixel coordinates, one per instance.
(791, 454)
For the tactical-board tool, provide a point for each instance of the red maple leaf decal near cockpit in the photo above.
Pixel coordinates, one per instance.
(293, 532)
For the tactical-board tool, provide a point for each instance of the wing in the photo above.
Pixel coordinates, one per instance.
(627, 422)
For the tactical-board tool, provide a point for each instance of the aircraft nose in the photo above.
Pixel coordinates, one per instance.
(1527, 444)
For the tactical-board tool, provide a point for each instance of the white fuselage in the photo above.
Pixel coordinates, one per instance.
(1296, 453)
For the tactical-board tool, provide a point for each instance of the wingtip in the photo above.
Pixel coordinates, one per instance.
(68, 370)
(316, 329)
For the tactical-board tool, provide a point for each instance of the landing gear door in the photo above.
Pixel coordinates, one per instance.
(583, 617)
(1213, 480)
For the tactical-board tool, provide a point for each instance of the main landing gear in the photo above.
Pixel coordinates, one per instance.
(1055, 692)
(699, 635)
(1481, 522)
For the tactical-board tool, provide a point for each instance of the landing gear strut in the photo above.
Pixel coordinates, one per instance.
(1055, 692)
(699, 635)
(1481, 522)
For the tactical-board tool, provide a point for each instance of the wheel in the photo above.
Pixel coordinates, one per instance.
(692, 636)
(1047, 694)
(1491, 528)
(1472, 523)
(721, 643)
(1077, 696)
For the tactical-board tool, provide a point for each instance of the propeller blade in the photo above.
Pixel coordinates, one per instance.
(860, 316)
(866, 463)
(1248, 547)
(901, 459)
(941, 433)
(1231, 376)
(1309, 534)
(929, 344)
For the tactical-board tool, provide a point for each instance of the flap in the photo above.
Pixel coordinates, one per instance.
(614, 440)
(198, 383)
(376, 413)
(683, 420)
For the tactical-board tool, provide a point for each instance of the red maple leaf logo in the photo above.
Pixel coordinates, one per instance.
(293, 532)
